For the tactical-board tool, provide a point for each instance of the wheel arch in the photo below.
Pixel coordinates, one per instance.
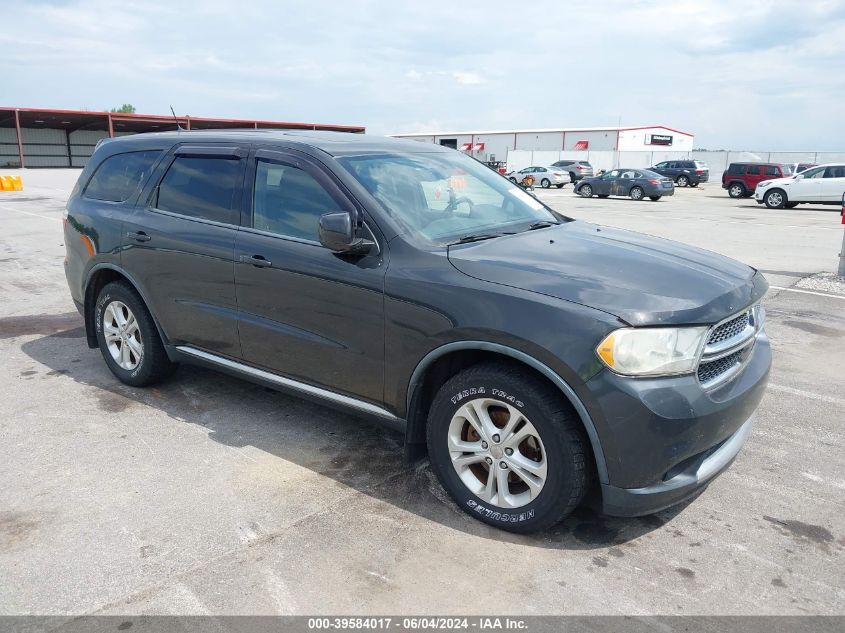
(445, 361)
(97, 278)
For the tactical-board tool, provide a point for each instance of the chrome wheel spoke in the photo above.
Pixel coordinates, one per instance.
(122, 335)
(522, 463)
(535, 484)
(503, 493)
(490, 487)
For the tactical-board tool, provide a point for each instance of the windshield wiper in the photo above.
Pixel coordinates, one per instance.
(543, 224)
(477, 237)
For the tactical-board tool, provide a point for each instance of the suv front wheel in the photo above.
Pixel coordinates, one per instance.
(128, 338)
(775, 199)
(507, 448)
(736, 190)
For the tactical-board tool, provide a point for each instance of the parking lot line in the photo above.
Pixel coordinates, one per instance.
(807, 292)
(808, 394)
(36, 215)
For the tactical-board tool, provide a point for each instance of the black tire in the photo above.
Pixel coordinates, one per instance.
(573, 177)
(545, 183)
(636, 193)
(564, 445)
(603, 195)
(790, 205)
(682, 181)
(585, 191)
(775, 199)
(655, 198)
(559, 186)
(693, 184)
(736, 190)
(153, 365)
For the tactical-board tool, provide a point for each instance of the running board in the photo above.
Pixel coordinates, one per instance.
(289, 383)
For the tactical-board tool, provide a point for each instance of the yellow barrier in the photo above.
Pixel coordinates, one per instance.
(11, 183)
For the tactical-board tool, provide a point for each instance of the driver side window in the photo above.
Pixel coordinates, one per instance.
(612, 174)
(288, 201)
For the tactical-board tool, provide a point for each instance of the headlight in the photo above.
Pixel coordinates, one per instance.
(652, 351)
(764, 184)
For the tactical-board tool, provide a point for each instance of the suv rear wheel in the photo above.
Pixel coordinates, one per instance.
(128, 338)
(775, 199)
(736, 190)
(507, 448)
(683, 181)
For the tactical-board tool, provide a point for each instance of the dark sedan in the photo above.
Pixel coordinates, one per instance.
(635, 183)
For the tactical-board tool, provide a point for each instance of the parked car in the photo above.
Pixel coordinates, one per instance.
(544, 176)
(740, 179)
(529, 354)
(635, 183)
(685, 173)
(818, 185)
(577, 169)
(797, 168)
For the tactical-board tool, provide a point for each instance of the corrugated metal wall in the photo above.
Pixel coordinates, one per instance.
(9, 148)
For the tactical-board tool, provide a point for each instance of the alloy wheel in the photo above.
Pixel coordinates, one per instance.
(497, 453)
(123, 335)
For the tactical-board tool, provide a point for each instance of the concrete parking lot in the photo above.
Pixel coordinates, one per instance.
(209, 495)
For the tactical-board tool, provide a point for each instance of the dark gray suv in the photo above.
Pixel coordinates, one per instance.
(539, 361)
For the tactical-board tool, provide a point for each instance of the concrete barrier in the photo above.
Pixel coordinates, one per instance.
(11, 183)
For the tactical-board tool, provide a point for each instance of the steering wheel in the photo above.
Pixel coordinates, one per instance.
(450, 208)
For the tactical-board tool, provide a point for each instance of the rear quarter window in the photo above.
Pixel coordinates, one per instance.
(736, 170)
(118, 177)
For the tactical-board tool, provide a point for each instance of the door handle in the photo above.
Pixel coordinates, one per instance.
(259, 261)
(138, 236)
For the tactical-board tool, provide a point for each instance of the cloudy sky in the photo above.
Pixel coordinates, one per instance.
(765, 75)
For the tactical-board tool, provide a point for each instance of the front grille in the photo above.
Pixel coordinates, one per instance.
(729, 329)
(709, 371)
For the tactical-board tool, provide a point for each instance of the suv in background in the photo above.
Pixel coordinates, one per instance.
(577, 169)
(534, 357)
(823, 184)
(741, 179)
(685, 173)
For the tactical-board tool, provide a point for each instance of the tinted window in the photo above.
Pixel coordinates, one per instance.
(201, 188)
(289, 201)
(584, 163)
(563, 163)
(754, 170)
(118, 177)
(835, 172)
(818, 172)
(736, 169)
(771, 170)
(662, 165)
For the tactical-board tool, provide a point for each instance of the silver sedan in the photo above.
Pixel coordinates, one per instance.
(543, 176)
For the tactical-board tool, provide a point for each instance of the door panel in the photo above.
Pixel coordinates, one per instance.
(305, 311)
(833, 184)
(184, 262)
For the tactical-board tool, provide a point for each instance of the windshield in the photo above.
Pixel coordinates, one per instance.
(444, 197)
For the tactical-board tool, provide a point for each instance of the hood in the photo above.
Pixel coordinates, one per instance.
(643, 280)
(782, 182)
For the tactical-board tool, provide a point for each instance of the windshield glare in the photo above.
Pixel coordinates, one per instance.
(445, 196)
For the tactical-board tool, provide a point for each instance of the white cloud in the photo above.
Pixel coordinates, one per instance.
(772, 77)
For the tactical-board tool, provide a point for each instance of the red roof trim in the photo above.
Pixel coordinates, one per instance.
(166, 117)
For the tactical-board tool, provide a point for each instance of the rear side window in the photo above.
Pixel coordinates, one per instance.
(584, 163)
(753, 170)
(736, 169)
(204, 188)
(771, 170)
(119, 176)
(288, 201)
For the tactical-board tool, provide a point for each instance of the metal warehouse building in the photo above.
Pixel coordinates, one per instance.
(605, 147)
(31, 137)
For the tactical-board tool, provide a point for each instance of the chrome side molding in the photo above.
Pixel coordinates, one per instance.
(290, 383)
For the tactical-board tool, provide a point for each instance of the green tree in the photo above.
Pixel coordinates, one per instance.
(126, 108)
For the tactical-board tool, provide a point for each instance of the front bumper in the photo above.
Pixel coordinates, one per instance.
(689, 481)
(665, 439)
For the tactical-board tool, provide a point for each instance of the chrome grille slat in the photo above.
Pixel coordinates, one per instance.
(728, 346)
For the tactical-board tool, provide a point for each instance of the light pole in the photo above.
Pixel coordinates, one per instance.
(842, 252)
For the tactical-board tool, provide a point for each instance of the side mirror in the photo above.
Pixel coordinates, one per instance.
(337, 233)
